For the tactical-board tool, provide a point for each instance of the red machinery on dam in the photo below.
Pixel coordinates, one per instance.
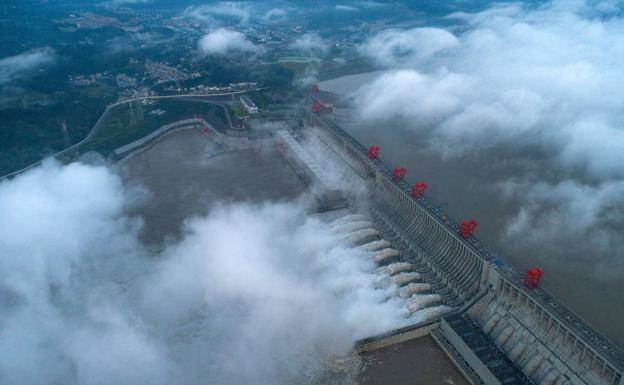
(398, 173)
(468, 227)
(532, 277)
(419, 188)
(373, 152)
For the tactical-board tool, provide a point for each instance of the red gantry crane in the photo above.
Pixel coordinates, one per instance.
(399, 173)
(532, 277)
(468, 227)
(418, 189)
(373, 152)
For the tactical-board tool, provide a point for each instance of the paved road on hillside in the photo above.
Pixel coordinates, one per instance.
(98, 123)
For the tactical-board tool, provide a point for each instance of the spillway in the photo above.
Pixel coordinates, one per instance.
(396, 267)
(399, 279)
(413, 288)
(385, 254)
(352, 226)
(376, 245)
(360, 236)
(421, 301)
(429, 313)
(349, 218)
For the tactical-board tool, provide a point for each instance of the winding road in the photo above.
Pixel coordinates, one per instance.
(98, 123)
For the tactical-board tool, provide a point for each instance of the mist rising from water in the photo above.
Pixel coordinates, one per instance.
(252, 293)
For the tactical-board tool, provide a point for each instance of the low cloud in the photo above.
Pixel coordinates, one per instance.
(346, 8)
(223, 41)
(535, 73)
(310, 42)
(118, 3)
(396, 92)
(241, 11)
(554, 213)
(15, 67)
(372, 4)
(394, 47)
(539, 81)
(83, 298)
(600, 202)
(275, 14)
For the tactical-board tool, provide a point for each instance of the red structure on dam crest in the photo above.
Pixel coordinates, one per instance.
(532, 277)
(418, 189)
(373, 152)
(468, 228)
(399, 173)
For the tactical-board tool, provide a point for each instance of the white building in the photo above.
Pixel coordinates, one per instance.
(249, 105)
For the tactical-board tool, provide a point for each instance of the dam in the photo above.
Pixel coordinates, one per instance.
(477, 308)
(465, 311)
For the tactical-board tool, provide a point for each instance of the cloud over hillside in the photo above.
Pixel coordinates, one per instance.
(223, 41)
(230, 9)
(310, 42)
(14, 67)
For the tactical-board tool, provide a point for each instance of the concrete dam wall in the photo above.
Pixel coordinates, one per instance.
(498, 331)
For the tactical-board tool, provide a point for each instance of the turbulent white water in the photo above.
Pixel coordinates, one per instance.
(376, 245)
(420, 301)
(398, 279)
(385, 254)
(259, 293)
(349, 218)
(352, 226)
(394, 268)
(413, 288)
(362, 235)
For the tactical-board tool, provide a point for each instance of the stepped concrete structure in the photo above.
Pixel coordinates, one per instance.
(475, 306)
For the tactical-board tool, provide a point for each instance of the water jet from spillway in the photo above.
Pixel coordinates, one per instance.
(360, 236)
(395, 268)
(348, 218)
(428, 313)
(421, 301)
(376, 245)
(398, 279)
(413, 288)
(352, 226)
(385, 254)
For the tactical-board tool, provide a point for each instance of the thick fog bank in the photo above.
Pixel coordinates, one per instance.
(260, 294)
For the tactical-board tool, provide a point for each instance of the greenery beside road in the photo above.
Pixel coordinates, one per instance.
(32, 122)
(120, 128)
